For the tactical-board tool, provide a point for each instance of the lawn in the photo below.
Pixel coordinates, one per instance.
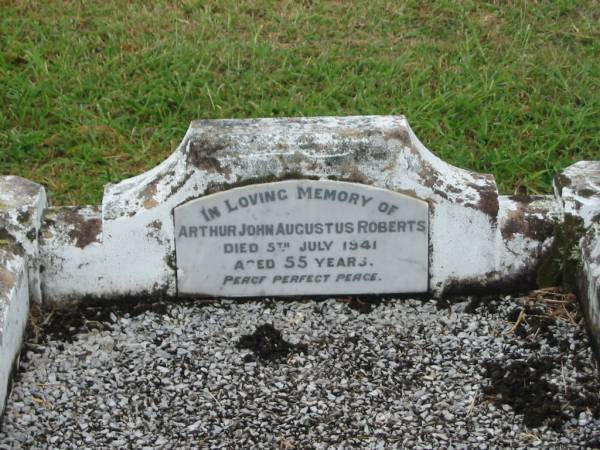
(95, 91)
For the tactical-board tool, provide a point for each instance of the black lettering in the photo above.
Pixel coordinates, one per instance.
(270, 196)
(366, 200)
(304, 192)
(329, 194)
(182, 232)
(229, 207)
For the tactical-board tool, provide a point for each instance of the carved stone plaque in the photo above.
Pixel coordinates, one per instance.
(302, 237)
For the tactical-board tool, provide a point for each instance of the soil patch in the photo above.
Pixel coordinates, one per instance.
(521, 385)
(64, 324)
(539, 312)
(267, 343)
(363, 305)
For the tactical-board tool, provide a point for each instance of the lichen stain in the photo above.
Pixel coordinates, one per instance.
(212, 165)
(408, 192)
(487, 193)
(24, 217)
(588, 193)
(588, 296)
(85, 231)
(214, 187)
(147, 195)
(156, 225)
(171, 261)
(21, 187)
(154, 231)
(355, 133)
(7, 280)
(399, 134)
(283, 162)
(335, 161)
(356, 176)
(135, 299)
(176, 187)
(488, 202)
(312, 165)
(32, 234)
(283, 146)
(524, 222)
(8, 241)
(431, 179)
(364, 151)
(201, 151)
(492, 282)
(46, 231)
(561, 265)
(561, 181)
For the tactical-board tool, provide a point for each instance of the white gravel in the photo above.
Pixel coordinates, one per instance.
(405, 375)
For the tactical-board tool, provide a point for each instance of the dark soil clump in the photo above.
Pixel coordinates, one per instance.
(531, 320)
(582, 398)
(267, 343)
(363, 306)
(487, 304)
(63, 324)
(520, 384)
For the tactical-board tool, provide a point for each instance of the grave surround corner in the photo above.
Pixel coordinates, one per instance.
(577, 189)
(22, 204)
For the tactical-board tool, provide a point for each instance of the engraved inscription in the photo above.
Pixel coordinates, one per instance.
(302, 237)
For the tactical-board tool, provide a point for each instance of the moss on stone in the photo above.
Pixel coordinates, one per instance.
(562, 264)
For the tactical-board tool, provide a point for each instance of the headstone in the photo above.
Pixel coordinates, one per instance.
(302, 237)
(476, 240)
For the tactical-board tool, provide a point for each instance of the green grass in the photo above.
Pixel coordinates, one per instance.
(92, 92)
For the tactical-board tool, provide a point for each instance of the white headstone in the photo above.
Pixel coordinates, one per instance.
(302, 237)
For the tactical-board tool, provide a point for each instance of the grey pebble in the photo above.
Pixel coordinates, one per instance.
(404, 375)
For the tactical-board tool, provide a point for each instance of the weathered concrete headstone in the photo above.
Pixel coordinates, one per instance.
(302, 237)
(476, 240)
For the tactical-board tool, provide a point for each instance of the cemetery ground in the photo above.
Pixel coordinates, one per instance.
(96, 92)
(469, 372)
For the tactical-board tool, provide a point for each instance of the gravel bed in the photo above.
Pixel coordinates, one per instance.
(334, 373)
